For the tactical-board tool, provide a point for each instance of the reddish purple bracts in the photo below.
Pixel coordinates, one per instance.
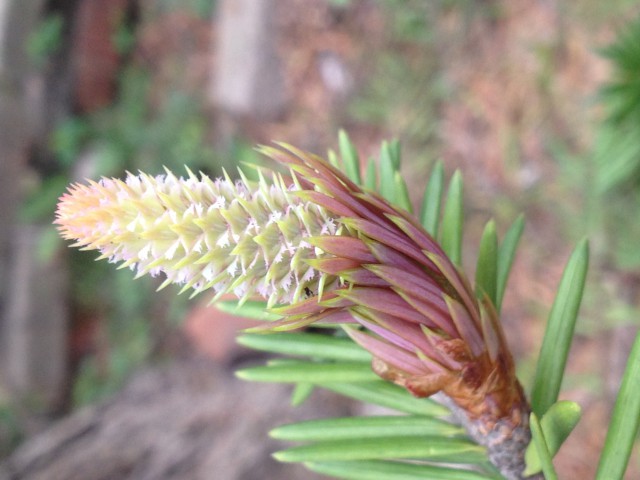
(328, 252)
(418, 314)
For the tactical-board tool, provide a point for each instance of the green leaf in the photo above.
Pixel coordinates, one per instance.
(250, 309)
(307, 344)
(394, 151)
(350, 157)
(385, 394)
(557, 424)
(559, 331)
(353, 428)
(487, 266)
(390, 470)
(615, 159)
(402, 193)
(370, 176)
(435, 448)
(537, 437)
(301, 393)
(625, 421)
(387, 173)
(333, 159)
(430, 211)
(506, 254)
(309, 372)
(452, 218)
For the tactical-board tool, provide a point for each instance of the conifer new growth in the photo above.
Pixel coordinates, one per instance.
(319, 248)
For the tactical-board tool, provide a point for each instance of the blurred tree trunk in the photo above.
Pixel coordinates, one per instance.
(35, 333)
(19, 322)
(33, 292)
(13, 128)
(248, 82)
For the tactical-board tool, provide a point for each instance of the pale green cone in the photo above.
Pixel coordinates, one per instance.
(422, 322)
(244, 237)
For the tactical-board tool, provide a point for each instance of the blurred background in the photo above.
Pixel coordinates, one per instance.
(537, 102)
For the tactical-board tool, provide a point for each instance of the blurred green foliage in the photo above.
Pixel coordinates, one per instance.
(202, 8)
(134, 134)
(100, 377)
(621, 95)
(46, 40)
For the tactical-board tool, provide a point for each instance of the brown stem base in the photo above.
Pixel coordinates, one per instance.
(505, 442)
